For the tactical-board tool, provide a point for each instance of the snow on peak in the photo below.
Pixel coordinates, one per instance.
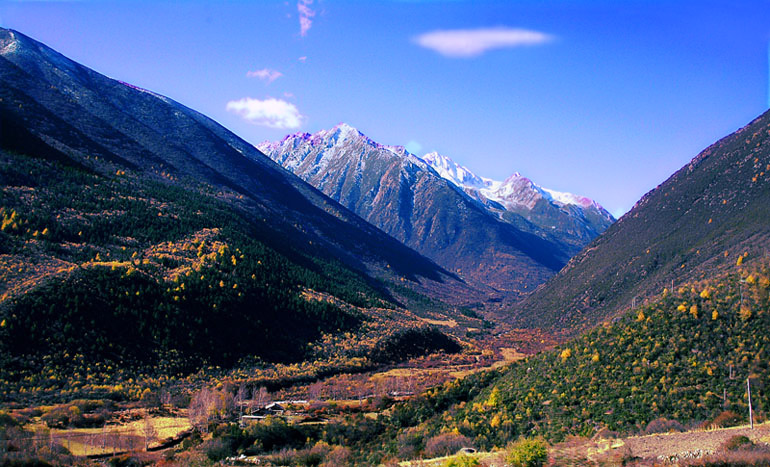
(453, 172)
(515, 190)
(344, 131)
(9, 45)
(569, 198)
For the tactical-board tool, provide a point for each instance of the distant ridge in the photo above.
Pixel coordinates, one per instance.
(571, 219)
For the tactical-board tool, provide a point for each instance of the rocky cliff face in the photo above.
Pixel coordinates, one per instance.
(404, 196)
(569, 219)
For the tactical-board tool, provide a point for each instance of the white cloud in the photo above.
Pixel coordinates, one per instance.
(306, 15)
(265, 74)
(271, 112)
(302, 59)
(464, 43)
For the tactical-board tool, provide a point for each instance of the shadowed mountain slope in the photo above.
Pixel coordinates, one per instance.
(70, 112)
(136, 231)
(701, 219)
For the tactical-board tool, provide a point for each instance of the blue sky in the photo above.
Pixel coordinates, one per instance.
(601, 98)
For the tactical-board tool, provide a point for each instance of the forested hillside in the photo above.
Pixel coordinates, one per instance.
(136, 273)
(684, 357)
(140, 236)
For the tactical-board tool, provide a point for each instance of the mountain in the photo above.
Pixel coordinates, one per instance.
(570, 219)
(402, 195)
(53, 104)
(707, 216)
(137, 231)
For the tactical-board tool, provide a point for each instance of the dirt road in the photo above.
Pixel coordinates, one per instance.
(689, 443)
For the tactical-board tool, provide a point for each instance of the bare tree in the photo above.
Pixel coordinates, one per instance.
(240, 398)
(200, 409)
(149, 431)
(165, 397)
(314, 391)
(261, 397)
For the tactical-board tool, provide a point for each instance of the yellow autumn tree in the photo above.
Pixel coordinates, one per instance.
(745, 313)
(494, 398)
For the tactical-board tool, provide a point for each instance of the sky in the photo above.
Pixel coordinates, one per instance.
(602, 98)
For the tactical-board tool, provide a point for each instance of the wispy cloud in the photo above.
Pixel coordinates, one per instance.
(465, 43)
(306, 15)
(265, 74)
(271, 112)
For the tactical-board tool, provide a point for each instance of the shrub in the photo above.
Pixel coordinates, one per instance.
(338, 457)
(274, 434)
(445, 444)
(527, 452)
(7, 420)
(312, 456)
(663, 425)
(217, 449)
(462, 460)
(285, 456)
(409, 343)
(409, 445)
(125, 461)
(725, 419)
(56, 418)
(736, 442)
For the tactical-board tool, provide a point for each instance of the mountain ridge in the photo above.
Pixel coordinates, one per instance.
(702, 218)
(402, 195)
(136, 230)
(218, 156)
(573, 218)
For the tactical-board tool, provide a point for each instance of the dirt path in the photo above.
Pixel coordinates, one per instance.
(685, 444)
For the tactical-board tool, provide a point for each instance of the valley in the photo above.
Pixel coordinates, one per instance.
(171, 294)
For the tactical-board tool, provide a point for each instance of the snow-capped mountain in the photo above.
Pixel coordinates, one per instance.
(506, 192)
(579, 218)
(406, 197)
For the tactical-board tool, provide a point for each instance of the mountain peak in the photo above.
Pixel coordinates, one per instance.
(507, 191)
(457, 174)
(342, 126)
(342, 131)
(513, 178)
